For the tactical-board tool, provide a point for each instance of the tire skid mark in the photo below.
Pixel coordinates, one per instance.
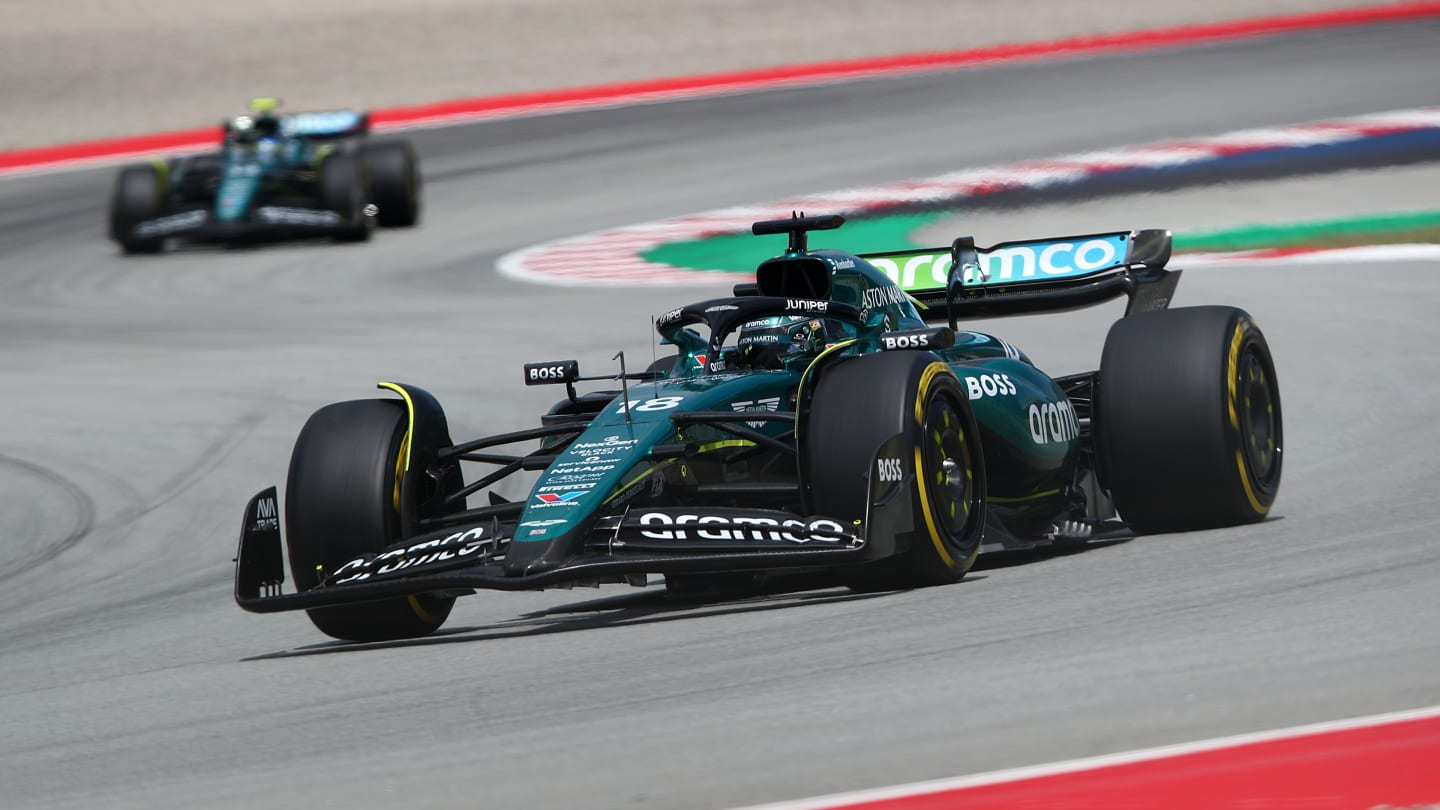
(83, 513)
(208, 459)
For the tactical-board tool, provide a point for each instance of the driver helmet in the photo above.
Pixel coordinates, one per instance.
(267, 119)
(267, 126)
(784, 334)
(241, 130)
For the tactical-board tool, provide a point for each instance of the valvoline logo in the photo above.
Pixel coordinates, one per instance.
(556, 497)
(1051, 259)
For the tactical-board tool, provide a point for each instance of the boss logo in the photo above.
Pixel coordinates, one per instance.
(890, 470)
(916, 341)
(548, 373)
(934, 339)
(989, 385)
(554, 372)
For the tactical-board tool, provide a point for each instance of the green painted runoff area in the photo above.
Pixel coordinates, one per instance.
(740, 253)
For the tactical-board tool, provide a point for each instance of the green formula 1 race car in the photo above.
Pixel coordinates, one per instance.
(275, 177)
(824, 419)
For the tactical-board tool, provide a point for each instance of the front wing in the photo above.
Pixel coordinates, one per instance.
(618, 548)
(274, 221)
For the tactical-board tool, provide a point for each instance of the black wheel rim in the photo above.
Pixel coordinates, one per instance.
(1259, 411)
(950, 483)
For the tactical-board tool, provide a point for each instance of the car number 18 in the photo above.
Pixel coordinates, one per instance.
(656, 404)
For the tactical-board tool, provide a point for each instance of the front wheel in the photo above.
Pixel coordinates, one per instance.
(394, 174)
(862, 403)
(342, 501)
(1188, 419)
(139, 196)
(342, 190)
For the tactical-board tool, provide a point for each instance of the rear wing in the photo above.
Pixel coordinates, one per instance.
(1034, 275)
(323, 125)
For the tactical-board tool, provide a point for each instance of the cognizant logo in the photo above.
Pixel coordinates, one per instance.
(1036, 260)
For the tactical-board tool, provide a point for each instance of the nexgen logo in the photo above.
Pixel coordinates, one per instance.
(1038, 260)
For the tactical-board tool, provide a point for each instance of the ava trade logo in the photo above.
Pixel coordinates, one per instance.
(1060, 258)
(558, 497)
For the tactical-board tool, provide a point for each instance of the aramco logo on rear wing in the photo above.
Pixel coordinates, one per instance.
(1063, 258)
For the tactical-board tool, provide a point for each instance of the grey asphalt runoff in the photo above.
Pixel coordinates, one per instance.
(146, 399)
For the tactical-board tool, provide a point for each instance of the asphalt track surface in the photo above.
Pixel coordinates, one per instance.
(146, 399)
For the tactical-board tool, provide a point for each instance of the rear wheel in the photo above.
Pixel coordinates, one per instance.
(342, 190)
(862, 403)
(342, 501)
(1188, 419)
(139, 196)
(394, 175)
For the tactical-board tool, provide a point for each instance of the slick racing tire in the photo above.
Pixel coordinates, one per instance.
(341, 501)
(1187, 420)
(342, 190)
(393, 171)
(139, 195)
(860, 404)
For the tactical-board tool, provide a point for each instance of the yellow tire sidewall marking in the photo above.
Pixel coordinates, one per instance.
(927, 377)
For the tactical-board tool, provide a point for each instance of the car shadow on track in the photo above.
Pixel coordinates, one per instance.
(1009, 559)
(659, 604)
(648, 607)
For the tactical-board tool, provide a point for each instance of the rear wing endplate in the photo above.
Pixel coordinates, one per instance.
(1036, 275)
